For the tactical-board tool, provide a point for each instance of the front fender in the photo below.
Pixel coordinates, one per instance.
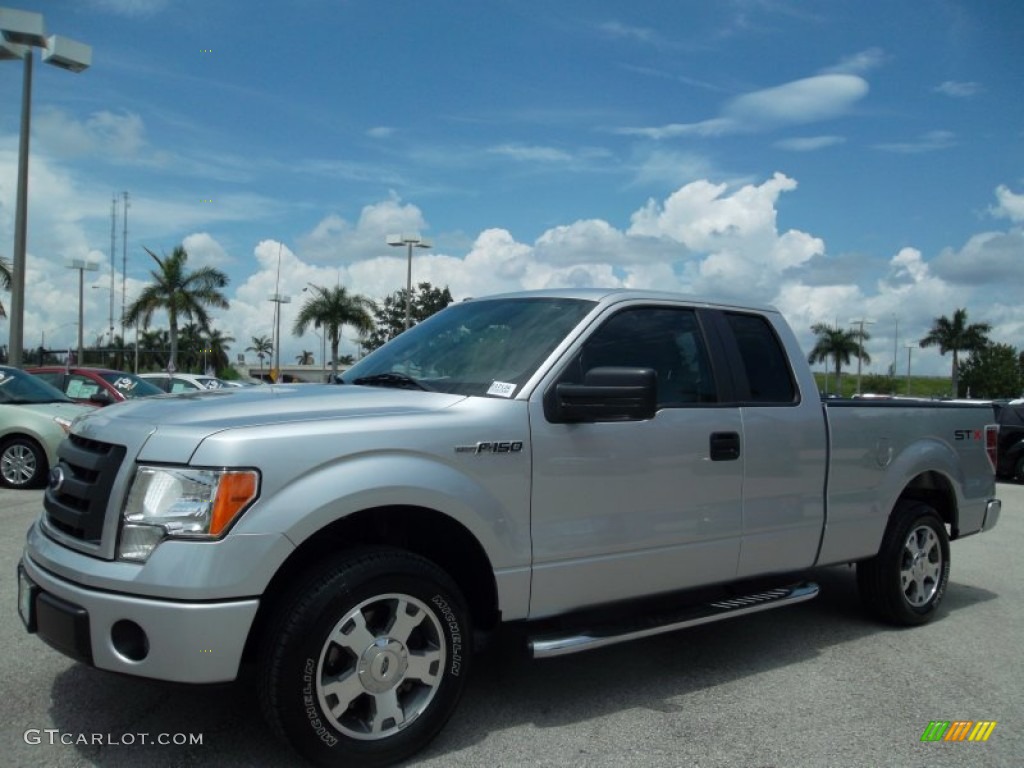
(493, 506)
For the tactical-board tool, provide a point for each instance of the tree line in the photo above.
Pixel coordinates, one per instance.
(990, 371)
(187, 296)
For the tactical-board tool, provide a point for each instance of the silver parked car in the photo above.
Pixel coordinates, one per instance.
(34, 418)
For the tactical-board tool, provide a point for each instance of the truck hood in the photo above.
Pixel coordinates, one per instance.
(227, 408)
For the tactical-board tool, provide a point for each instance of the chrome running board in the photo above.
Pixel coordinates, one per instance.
(544, 646)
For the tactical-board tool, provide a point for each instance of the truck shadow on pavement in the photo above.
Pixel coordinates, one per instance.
(507, 689)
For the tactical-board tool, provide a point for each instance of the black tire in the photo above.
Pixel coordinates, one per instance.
(365, 662)
(22, 463)
(1018, 469)
(905, 582)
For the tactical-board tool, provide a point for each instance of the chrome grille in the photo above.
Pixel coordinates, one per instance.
(76, 497)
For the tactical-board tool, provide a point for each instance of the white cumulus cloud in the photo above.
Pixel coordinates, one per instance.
(1011, 205)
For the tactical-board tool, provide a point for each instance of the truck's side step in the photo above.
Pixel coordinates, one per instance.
(556, 644)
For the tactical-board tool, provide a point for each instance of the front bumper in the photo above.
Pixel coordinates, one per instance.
(189, 642)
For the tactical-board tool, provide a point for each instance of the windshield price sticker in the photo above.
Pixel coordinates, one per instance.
(501, 389)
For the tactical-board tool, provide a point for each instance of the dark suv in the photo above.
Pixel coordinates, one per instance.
(95, 386)
(1011, 441)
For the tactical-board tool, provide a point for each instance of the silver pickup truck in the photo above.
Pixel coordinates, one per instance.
(600, 465)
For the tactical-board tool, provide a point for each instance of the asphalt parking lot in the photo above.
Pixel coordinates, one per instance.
(814, 685)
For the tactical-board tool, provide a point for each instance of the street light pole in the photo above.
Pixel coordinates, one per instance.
(278, 300)
(82, 266)
(17, 329)
(909, 348)
(20, 32)
(410, 241)
(861, 322)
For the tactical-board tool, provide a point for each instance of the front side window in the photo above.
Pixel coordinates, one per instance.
(665, 339)
(489, 347)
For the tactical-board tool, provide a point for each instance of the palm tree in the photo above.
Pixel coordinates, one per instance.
(331, 309)
(180, 293)
(153, 347)
(840, 345)
(263, 347)
(219, 345)
(956, 336)
(191, 342)
(305, 358)
(5, 281)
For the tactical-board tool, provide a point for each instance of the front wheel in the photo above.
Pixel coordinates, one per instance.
(905, 582)
(366, 662)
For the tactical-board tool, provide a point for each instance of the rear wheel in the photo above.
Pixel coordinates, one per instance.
(22, 463)
(905, 582)
(366, 662)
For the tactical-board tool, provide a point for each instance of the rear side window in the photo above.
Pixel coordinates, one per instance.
(767, 367)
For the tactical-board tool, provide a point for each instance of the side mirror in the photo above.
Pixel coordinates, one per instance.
(101, 398)
(606, 394)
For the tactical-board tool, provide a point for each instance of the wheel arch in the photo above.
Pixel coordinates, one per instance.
(937, 490)
(420, 530)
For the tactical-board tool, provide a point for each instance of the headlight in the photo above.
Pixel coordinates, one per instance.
(173, 502)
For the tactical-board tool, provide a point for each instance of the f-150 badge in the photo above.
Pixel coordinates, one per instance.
(499, 446)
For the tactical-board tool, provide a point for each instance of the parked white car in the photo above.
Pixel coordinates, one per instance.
(34, 418)
(183, 382)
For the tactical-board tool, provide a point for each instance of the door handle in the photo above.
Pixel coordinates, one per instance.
(725, 446)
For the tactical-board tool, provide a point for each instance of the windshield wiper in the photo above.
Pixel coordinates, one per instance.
(392, 379)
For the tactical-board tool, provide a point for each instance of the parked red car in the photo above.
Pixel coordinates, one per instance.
(95, 386)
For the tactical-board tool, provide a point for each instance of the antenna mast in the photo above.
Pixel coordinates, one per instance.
(113, 237)
(124, 263)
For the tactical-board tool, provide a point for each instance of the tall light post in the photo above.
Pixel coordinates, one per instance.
(124, 314)
(895, 349)
(321, 336)
(410, 241)
(82, 266)
(278, 300)
(860, 322)
(20, 32)
(910, 347)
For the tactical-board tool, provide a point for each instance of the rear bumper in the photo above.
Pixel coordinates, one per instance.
(992, 512)
(189, 642)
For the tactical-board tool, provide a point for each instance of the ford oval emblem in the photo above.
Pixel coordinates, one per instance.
(56, 480)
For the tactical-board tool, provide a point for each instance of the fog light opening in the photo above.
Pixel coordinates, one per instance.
(129, 640)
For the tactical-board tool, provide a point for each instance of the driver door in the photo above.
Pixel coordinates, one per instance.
(629, 508)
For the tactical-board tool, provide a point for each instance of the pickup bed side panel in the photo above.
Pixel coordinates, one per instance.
(877, 449)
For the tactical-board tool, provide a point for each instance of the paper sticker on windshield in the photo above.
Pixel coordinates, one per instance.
(501, 389)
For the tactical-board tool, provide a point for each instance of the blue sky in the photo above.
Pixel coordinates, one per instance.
(839, 160)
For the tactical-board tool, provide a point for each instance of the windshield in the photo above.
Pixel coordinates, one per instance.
(19, 388)
(487, 347)
(130, 385)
